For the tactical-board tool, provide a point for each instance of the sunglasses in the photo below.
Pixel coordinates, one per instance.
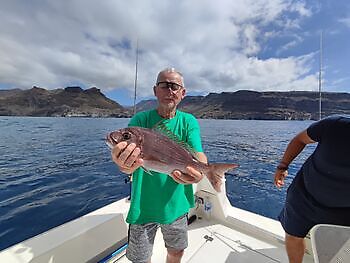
(169, 85)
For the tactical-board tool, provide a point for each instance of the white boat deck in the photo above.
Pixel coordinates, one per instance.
(214, 242)
(221, 234)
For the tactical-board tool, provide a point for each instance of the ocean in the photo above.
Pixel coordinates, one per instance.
(53, 170)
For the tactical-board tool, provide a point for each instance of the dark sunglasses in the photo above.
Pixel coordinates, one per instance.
(169, 85)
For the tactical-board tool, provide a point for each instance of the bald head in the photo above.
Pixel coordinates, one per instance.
(170, 75)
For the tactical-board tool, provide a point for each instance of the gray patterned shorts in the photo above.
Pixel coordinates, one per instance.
(141, 238)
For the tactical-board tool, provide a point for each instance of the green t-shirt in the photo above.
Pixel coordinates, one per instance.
(158, 198)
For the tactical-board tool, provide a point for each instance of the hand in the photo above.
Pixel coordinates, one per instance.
(279, 177)
(127, 157)
(190, 177)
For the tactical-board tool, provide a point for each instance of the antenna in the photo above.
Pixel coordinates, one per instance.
(136, 65)
(320, 80)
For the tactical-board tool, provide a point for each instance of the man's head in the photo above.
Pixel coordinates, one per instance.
(169, 88)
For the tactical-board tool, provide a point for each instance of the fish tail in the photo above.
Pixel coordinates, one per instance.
(217, 172)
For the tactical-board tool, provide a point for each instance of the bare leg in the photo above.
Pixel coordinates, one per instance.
(174, 256)
(295, 248)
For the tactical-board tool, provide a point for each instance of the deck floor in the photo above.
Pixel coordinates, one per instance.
(212, 242)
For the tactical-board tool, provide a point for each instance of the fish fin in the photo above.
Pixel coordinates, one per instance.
(163, 129)
(217, 173)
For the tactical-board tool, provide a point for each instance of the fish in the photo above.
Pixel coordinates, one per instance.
(163, 152)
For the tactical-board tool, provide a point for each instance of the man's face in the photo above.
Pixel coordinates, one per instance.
(169, 89)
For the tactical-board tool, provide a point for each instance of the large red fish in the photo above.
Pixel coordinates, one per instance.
(163, 154)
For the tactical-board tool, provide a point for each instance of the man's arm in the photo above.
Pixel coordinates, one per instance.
(294, 148)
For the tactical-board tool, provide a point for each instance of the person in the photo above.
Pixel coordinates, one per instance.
(319, 193)
(160, 201)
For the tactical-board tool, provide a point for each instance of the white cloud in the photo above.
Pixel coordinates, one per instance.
(345, 21)
(296, 41)
(270, 74)
(300, 8)
(214, 43)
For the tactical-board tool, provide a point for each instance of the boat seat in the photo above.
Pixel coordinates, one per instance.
(330, 243)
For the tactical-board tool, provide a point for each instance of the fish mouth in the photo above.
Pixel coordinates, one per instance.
(110, 145)
(110, 141)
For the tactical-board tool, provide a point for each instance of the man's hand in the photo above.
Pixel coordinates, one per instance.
(127, 157)
(279, 177)
(190, 177)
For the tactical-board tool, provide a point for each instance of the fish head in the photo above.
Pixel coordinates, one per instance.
(129, 135)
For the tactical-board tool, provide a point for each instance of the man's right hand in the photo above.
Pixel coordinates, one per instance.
(279, 177)
(127, 157)
(192, 176)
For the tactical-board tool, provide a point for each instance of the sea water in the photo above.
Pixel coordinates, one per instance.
(53, 170)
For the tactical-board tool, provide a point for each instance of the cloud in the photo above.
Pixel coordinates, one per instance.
(345, 21)
(300, 8)
(270, 74)
(216, 45)
(296, 41)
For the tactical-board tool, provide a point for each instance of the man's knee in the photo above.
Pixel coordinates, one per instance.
(294, 239)
(175, 253)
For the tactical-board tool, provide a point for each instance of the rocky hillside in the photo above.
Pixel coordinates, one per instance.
(70, 102)
(298, 105)
(74, 101)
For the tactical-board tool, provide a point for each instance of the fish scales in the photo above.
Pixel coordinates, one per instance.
(162, 154)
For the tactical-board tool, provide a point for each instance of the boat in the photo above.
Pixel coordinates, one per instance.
(218, 232)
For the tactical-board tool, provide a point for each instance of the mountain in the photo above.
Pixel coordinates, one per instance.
(70, 102)
(244, 104)
(146, 105)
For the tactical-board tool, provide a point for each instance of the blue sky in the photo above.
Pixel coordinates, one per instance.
(224, 45)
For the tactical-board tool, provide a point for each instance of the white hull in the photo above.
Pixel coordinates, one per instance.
(225, 234)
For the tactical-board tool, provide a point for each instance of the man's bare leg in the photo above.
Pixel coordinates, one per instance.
(174, 256)
(295, 247)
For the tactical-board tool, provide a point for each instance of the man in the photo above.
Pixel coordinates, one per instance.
(159, 200)
(319, 193)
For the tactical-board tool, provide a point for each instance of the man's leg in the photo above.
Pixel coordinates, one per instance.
(175, 237)
(295, 247)
(141, 240)
(174, 256)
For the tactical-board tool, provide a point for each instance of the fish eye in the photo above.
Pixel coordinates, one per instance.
(126, 136)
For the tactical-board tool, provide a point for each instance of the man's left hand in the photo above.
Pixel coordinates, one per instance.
(190, 177)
